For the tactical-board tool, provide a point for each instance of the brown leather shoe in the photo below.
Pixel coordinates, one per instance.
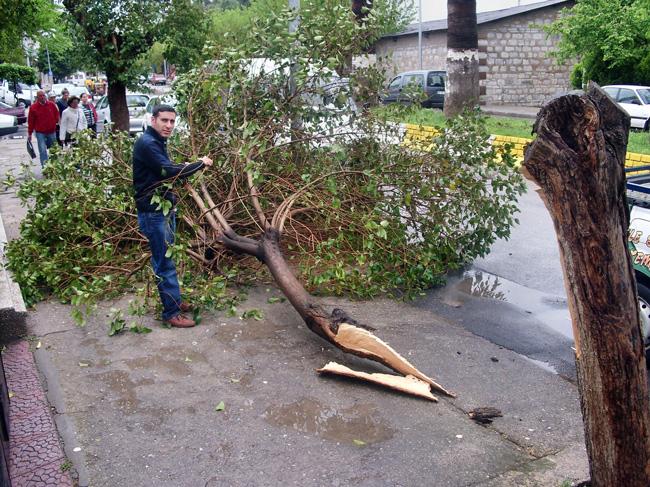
(180, 321)
(186, 307)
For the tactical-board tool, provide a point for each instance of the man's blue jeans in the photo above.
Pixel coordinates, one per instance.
(159, 230)
(45, 141)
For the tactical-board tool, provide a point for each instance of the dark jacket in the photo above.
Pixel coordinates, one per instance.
(152, 167)
(62, 105)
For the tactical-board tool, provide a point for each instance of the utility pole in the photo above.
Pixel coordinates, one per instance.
(420, 32)
(294, 5)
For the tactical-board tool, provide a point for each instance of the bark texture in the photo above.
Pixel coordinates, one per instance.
(462, 57)
(119, 108)
(578, 161)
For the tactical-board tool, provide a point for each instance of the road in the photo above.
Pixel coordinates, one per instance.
(515, 296)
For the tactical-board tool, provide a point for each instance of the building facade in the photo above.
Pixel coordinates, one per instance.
(514, 53)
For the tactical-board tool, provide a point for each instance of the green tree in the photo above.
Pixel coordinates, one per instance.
(24, 19)
(120, 32)
(609, 38)
(230, 28)
(185, 32)
(17, 72)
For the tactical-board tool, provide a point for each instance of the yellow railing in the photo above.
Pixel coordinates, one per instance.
(419, 136)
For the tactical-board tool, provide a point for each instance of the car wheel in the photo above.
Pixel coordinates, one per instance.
(22, 104)
(644, 315)
(646, 127)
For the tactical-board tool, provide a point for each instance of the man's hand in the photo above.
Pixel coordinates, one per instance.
(206, 160)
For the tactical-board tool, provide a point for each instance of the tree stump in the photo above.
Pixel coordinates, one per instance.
(578, 161)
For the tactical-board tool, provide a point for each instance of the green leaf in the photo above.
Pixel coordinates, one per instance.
(220, 407)
(359, 442)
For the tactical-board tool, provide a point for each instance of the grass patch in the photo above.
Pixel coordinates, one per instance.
(638, 141)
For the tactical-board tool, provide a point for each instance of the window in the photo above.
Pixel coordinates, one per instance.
(414, 80)
(613, 92)
(396, 83)
(435, 80)
(136, 100)
(627, 96)
(644, 94)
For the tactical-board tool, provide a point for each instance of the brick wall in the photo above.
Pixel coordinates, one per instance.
(514, 62)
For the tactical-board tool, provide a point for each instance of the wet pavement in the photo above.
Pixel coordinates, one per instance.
(237, 402)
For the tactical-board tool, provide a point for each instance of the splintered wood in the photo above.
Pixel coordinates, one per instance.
(363, 343)
(408, 384)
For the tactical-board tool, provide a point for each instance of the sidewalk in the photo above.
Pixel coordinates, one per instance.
(511, 111)
(140, 410)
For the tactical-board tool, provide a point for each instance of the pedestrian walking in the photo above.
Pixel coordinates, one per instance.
(152, 173)
(73, 121)
(89, 112)
(62, 104)
(42, 120)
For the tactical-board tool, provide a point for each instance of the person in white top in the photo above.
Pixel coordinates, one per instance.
(73, 120)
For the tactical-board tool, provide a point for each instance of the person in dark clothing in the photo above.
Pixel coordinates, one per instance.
(62, 104)
(153, 175)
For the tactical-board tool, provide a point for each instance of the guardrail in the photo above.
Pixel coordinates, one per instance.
(419, 136)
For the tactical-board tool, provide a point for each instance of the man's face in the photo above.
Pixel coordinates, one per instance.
(65, 95)
(40, 97)
(164, 123)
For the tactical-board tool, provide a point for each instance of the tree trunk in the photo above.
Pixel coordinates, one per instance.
(462, 90)
(117, 103)
(578, 160)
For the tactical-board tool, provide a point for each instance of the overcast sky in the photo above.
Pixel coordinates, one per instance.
(437, 9)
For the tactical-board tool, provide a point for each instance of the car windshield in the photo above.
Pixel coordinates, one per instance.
(136, 100)
(644, 94)
(24, 86)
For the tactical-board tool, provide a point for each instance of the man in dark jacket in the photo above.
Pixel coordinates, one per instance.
(153, 176)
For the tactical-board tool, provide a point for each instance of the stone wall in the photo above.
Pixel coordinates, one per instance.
(516, 67)
(514, 62)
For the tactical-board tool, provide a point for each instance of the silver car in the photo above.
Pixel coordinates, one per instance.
(136, 103)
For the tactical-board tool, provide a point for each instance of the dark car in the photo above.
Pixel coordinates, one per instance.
(414, 85)
(18, 112)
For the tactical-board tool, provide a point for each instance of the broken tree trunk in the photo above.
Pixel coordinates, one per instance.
(336, 327)
(578, 161)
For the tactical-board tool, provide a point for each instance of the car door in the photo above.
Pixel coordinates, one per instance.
(412, 88)
(435, 89)
(394, 89)
(630, 102)
(103, 113)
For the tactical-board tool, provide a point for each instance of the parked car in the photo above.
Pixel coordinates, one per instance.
(161, 100)
(407, 86)
(635, 100)
(136, 103)
(25, 94)
(157, 79)
(8, 124)
(638, 238)
(18, 112)
(74, 90)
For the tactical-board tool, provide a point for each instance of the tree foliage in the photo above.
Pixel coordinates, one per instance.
(185, 31)
(23, 19)
(357, 212)
(232, 27)
(610, 38)
(18, 72)
(120, 32)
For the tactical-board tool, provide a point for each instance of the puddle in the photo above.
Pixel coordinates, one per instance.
(547, 308)
(360, 422)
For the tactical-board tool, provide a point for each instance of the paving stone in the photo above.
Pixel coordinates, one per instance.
(47, 475)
